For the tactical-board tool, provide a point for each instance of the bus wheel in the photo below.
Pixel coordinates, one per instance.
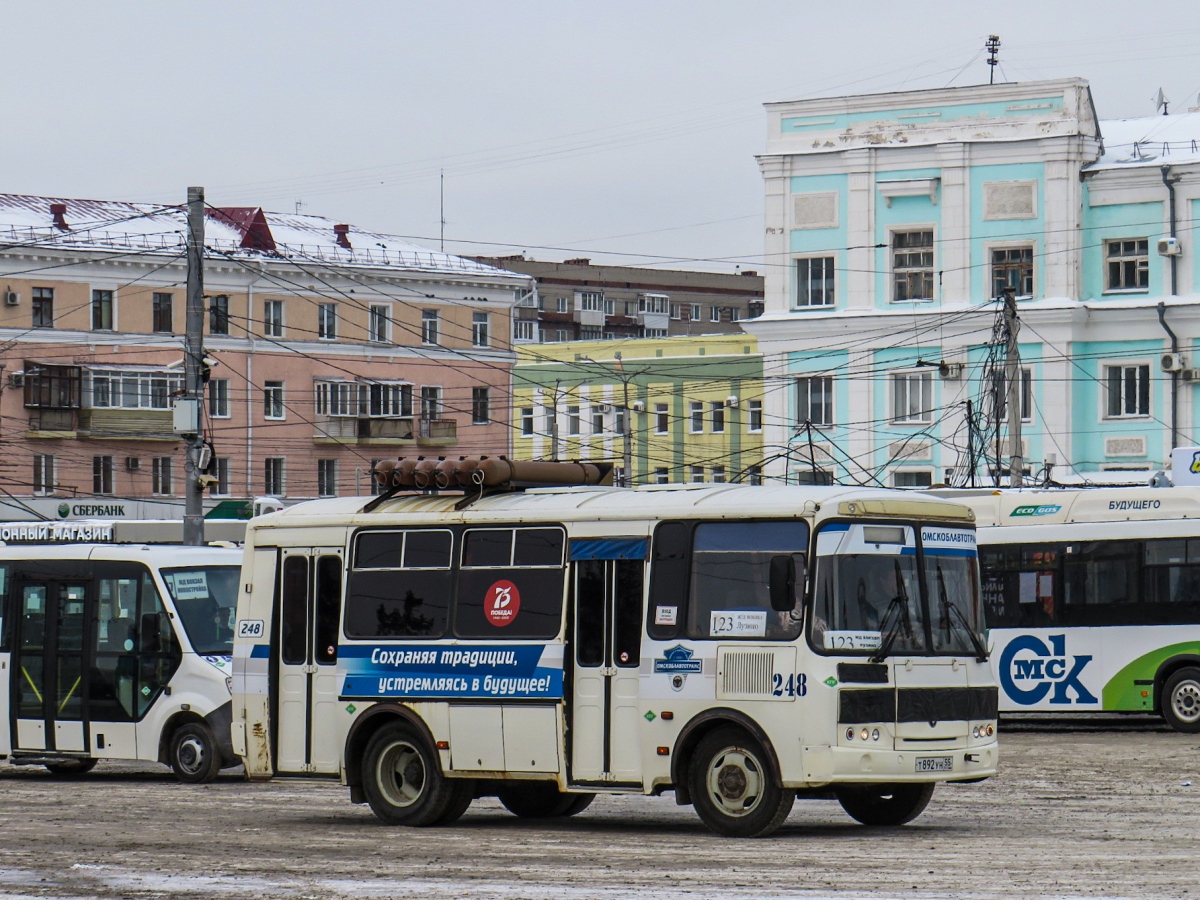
(542, 800)
(195, 758)
(403, 779)
(732, 787)
(72, 767)
(463, 791)
(1181, 700)
(885, 804)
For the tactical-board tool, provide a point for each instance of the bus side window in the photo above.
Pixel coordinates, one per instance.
(510, 585)
(3, 607)
(294, 612)
(399, 586)
(329, 608)
(669, 568)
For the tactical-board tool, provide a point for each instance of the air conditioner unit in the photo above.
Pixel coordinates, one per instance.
(950, 371)
(601, 407)
(11, 298)
(637, 406)
(1190, 375)
(1169, 246)
(16, 379)
(732, 401)
(132, 463)
(1172, 362)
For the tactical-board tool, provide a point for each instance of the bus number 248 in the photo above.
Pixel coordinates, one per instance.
(250, 628)
(795, 686)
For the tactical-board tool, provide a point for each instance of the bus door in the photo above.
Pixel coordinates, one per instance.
(606, 638)
(48, 663)
(5, 663)
(310, 602)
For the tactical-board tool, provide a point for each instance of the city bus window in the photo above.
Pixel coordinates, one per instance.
(1171, 583)
(329, 608)
(589, 619)
(669, 579)
(730, 594)
(511, 583)
(627, 630)
(294, 613)
(408, 594)
(1101, 582)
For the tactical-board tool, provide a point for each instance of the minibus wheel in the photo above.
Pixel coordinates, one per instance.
(1181, 701)
(542, 800)
(885, 804)
(195, 758)
(403, 781)
(72, 767)
(733, 788)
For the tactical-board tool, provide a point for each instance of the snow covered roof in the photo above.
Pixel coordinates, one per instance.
(241, 232)
(1150, 141)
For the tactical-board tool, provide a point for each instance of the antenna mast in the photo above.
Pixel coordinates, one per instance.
(442, 197)
(993, 48)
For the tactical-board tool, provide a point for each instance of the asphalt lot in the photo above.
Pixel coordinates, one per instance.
(1076, 812)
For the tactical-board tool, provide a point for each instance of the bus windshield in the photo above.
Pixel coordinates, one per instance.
(870, 594)
(206, 597)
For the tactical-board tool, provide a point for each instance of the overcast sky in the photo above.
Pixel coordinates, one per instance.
(623, 131)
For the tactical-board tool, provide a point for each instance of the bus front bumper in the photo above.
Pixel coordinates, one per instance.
(824, 764)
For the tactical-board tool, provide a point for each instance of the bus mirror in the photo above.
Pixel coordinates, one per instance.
(783, 583)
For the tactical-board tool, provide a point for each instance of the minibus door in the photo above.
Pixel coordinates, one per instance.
(49, 643)
(310, 604)
(607, 643)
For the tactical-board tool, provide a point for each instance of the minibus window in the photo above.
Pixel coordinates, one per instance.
(206, 599)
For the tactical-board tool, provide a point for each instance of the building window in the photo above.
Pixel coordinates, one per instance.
(718, 474)
(597, 420)
(273, 399)
(814, 281)
(327, 321)
(429, 326)
(675, 312)
(1128, 391)
(912, 265)
(697, 475)
(524, 329)
(735, 314)
(337, 399)
(273, 476)
(527, 421)
(619, 420)
(480, 405)
(379, 324)
(43, 473)
(754, 415)
(714, 314)
(218, 314)
(273, 318)
(573, 420)
(912, 397)
(814, 400)
(590, 301)
(102, 474)
(123, 389)
(161, 313)
(561, 305)
(218, 398)
(1012, 267)
(218, 468)
(921, 478)
(646, 332)
(695, 312)
(661, 419)
(1000, 395)
(1128, 265)
(102, 310)
(160, 475)
(654, 303)
(562, 335)
(479, 329)
(717, 416)
(754, 474)
(696, 418)
(662, 475)
(43, 307)
(431, 402)
(589, 333)
(388, 400)
(327, 478)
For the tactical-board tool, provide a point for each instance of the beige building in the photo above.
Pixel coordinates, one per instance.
(330, 347)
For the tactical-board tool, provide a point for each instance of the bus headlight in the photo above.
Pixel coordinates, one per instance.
(875, 735)
(849, 734)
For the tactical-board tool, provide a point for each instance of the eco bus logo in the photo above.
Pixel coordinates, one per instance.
(1195, 466)
(1047, 510)
(1029, 670)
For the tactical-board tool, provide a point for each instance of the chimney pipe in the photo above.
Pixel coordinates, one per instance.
(59, 210)
(341, 232)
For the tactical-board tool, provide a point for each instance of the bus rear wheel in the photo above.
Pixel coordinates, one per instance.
(1181, 700)
(885, 804)
(72, 767)
(542, 800)
(195, 758)
(732, 787)
(403, 781)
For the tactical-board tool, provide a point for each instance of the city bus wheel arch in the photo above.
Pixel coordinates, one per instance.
(361, 732)
(694, 732)
(1164, 674)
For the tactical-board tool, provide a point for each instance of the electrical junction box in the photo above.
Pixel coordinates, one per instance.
(187, 417)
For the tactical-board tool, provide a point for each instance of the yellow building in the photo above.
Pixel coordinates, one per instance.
(681, 409)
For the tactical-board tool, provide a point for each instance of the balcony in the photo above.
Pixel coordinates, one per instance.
(437, 432)
(660, 320)
(127, 424)
(385, 431)
(590, 317)
(51, 423)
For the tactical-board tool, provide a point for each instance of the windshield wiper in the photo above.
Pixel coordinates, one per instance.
(900, 601)
(981, 654)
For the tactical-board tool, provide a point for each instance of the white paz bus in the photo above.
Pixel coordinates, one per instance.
(1092, 598)
(736, 645)
(114, 651)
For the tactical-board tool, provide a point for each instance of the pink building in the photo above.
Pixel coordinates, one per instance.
(332, 348)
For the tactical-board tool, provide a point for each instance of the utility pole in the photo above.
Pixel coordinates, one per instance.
(1013, 387)
(992, 45)
(193, 356)
(554, 423)
(971, 442)
(628, 429)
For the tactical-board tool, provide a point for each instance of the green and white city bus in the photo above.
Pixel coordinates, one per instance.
(739, 646)
(1092, 598)
(112, 651)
